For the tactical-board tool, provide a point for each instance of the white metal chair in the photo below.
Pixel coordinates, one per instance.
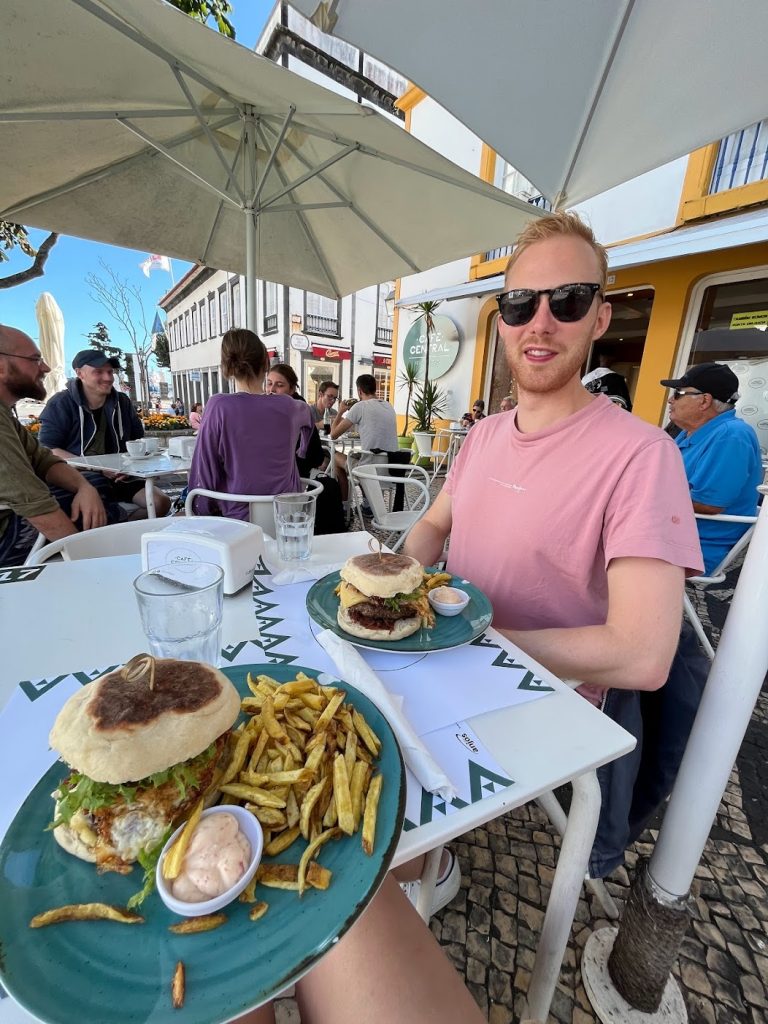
(260, 511)
(374, 479)
(119, 539)
(717, 575)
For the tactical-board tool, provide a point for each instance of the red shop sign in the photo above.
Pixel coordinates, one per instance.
(382, 361)
(323, 352)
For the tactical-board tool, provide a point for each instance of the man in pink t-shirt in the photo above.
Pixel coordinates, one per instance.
(571, 514)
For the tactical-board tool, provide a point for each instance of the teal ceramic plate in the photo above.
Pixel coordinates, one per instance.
(97, 971)
(448, 631)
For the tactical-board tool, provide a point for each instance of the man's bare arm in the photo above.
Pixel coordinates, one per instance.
(86, 502)
(427, 539)
(53, 525)
(635, 647)
(708, 510)
(340, 425)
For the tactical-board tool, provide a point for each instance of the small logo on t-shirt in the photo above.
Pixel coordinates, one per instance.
(676, 520)
(510, 486)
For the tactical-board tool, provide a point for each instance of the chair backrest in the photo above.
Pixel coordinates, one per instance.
(374, 479)
(260, 510)
(719, 571)
(120, 539)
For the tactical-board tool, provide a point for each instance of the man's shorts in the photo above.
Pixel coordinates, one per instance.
(17, 541)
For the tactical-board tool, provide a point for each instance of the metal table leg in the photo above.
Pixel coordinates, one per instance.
(148, 491)
(569, 877)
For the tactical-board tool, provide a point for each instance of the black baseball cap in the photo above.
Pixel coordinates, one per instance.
(714, 379)
(92, 357)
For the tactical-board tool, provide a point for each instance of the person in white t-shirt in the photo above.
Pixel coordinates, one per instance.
(376, 423)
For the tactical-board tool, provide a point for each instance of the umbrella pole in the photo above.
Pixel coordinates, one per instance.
(656, 916)
(250, 270)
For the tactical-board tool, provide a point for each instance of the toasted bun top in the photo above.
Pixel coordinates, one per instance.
(118, 731)
(383, 575)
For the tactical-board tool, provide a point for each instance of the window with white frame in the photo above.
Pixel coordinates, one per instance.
(195, 325)
(203, 320)
(742, 158)
(223, 309)
(237, 315)
(321, 315)
(213, 320)
(383, 319)
(270, 307)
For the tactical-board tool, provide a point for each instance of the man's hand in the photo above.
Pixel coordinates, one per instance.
(88, 504)
(342, 408)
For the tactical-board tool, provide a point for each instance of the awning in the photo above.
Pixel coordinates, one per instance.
(324, 352)
(726, 233)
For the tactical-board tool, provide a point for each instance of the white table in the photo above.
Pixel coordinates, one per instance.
(146, 469)
(455, 436)
(87, 616)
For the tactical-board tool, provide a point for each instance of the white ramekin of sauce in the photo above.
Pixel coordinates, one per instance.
(448, 600)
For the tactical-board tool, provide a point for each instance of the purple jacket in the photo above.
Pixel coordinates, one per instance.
(247, 445)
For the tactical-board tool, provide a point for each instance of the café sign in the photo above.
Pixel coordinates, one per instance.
(444, 346)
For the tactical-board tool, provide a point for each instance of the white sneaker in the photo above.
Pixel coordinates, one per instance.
(446, 888)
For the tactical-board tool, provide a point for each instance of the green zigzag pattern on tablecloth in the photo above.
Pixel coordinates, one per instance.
(34, 689)
(266, 623)
(505, 660)
(482, 781)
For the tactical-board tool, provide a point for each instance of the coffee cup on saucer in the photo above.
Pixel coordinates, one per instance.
(152, 445)
(136, 448)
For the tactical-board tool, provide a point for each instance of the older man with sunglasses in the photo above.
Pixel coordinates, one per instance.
(587, 529)
(721, 453)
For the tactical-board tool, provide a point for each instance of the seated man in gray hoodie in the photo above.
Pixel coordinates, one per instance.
(91, 418)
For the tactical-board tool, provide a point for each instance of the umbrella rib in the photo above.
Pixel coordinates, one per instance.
(560, 198)
(178, 163)
(93, 176)
(313, 172)
(481, 188)
(220, 207)
(305, 226)
(21, 117)
(273, 155)
(231, 181)
(298, 207)
(389, 242)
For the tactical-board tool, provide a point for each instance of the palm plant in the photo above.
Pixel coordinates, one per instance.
(408, 379)
(428, 404)
(426, 311)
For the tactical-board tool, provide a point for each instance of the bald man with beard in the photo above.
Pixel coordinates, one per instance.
(28, 471)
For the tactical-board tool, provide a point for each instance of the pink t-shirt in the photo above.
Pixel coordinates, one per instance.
(538, 517)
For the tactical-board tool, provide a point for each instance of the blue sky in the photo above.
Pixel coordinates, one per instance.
(71, 259)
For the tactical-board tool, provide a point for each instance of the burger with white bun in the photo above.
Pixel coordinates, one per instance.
(381, 596)
(144, 746)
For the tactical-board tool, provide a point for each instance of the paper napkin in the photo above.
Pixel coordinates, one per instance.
(356, 670)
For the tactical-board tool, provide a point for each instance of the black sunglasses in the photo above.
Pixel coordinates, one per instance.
(567, 303)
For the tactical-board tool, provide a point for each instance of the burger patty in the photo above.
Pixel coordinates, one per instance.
(375, 615)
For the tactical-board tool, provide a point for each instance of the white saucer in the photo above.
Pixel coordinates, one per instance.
(136, 458)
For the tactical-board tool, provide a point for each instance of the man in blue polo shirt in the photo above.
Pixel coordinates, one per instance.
(720, 452)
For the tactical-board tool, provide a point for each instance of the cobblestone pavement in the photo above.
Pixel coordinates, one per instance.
(491, 928)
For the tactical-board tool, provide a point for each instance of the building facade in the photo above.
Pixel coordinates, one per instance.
(688, 272)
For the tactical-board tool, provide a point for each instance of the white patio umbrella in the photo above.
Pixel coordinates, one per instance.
(578, 95)
(127, 122)
(51, 323)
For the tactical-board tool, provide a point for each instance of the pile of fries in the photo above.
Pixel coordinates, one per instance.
(304, 766)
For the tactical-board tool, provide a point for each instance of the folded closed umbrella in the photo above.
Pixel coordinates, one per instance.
(51, 323)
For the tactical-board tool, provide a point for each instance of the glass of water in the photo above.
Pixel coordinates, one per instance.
(181, 606)
(294, 525)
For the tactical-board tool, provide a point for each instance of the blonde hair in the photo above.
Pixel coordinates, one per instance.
(559, 225)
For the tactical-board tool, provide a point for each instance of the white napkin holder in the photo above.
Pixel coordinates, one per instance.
(230, 543)
(181, 447)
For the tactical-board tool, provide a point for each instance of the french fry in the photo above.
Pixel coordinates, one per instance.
(271, 724)
(252, 685)
(253, 794)
(178, 986)
(276, 778)
(248, 895)
(282, 841)
(330, 817)
(259, 747)
(332, 707)
(194, 925)
(357, 786)
(85, 912)
(309, 853)
(292, 812)
(350, 751)
(366, 734)
(278, 876)
(238, 757)
(342, 796)
(258, 910)
(269, 817)
(371, 812)
(307, 806)
(174, 858)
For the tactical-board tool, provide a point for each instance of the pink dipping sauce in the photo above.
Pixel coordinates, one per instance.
(217, 857)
